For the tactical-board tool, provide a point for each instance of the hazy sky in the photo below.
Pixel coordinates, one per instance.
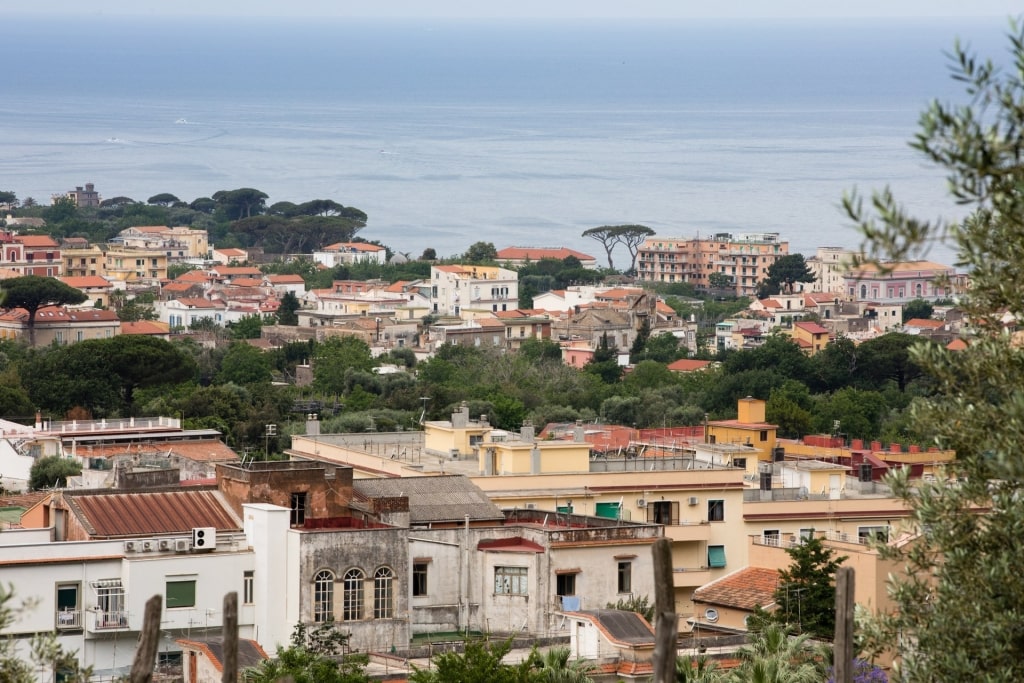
(520, 8)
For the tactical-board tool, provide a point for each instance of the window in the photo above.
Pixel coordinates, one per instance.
(806, 534)
(716, 556)
(740, 463)
(771, 536)
(69, 613)
(180, 593)
(510, 581)
(298, 507)
(867, 533)
(247, 587)
(625, 577)
(419, 579)
(565, 584)
(383, 599)
(109, 603)
(352, 609)
(663, 512)
(764, 435)
(323, 596)
(716, 510)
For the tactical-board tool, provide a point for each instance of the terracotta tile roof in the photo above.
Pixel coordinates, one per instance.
(353, 246)
(813, 328)
(193, 276)
(816, 298)
(924, 323)
(957, 345)
(197, 450)
(249, 652)
(515, 544)
(148, 513)
(452, 269)
(60, 314)
(247, 282)
(145, 327)
(85, 281)
(198, 303)
(742, 589)
(770, 303)
(285, 280)
(537, 253)
(178, 286)
(224, 271)
(231, 251)
(36, 241)
(688, 365)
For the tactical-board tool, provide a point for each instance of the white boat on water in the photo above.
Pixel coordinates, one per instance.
(182, 121)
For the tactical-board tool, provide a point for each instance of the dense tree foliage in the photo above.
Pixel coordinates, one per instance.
(52, 471)
(32, 292)
(480, 252)
(783, 274)
(610, 236)
(805, 597)
(316, 656)
(957, 609)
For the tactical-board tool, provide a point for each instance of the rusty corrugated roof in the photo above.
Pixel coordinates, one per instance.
(151, 513)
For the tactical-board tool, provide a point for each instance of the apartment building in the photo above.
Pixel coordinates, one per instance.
(463, 291)
(744, 257)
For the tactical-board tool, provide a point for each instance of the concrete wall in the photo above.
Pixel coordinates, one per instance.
(365, 550)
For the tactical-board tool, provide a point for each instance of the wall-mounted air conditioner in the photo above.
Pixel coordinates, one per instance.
(531, 506)
(641, 503)
(204, 538)
(149, 546)
(166, 543)
(181, 545)
(130, 546)
(693, 500)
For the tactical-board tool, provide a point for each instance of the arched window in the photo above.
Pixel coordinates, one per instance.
(323, 596)
(352, 609)
(863, 291)
(383, 601)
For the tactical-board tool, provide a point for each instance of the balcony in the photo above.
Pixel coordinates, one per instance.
(69, 619)
(688, 531)
(688, 577)
(110, 621)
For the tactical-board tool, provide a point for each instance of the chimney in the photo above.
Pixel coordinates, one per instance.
(312, 425)
(876, 446)
(526, 432)
(579, 435)
(39, 420)
(460, 418)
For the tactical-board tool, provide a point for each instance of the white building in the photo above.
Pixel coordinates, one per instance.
(464, 291)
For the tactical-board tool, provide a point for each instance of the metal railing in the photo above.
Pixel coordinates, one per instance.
(69, 619)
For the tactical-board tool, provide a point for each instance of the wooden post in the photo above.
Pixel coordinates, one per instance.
(842, 647)
(665, 621)
(149, 641)
(229, 638)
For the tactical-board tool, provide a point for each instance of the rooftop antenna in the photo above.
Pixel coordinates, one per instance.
(423, 414)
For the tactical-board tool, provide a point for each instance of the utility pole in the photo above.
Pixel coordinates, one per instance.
(271, 430)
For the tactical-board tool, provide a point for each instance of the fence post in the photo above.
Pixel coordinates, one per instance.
(149, 641)
(229, 638)
(842, 647)
(665, 623)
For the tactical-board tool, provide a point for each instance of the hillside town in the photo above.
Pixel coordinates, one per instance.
(409, 537)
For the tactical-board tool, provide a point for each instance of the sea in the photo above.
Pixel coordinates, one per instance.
(521, 133)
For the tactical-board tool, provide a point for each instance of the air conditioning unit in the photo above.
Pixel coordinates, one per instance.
(166, 543)
(693, 500)
(531, 506)
(181, 545)
(641, 503)
(148, 546)
(204, 538)
(130, 546)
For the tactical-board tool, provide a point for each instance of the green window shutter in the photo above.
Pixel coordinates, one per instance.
(716, 555)
(607, 510)
(181, 594)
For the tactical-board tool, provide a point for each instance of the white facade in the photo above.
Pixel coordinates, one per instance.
(94, 592)
(464, 290)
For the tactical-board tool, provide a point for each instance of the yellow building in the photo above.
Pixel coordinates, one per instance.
(116, 263)
(749, 429)
(457, 438)
(810, 337)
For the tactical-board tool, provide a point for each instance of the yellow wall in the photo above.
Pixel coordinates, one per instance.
(750, 410)
(445, 439)
(516, 457)
(738, 434)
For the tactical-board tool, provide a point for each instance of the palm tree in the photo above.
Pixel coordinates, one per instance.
(774, 656)
(699, 669)
(554, 667)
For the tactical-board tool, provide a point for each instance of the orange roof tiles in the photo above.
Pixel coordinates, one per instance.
(145, 327)
(688, 365)
(60, 314)
(85, 281)
(957, 345)
(743, 589)
(36, 241)
(813, 328)
(924, 323)
(538, 253)
(285, 279)
(193, 276)
(198, 450)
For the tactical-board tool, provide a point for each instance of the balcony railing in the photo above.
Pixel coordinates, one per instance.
(69, 619)
(111, 621)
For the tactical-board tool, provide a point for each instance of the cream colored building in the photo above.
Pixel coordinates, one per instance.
(179, 243)
(115, 262)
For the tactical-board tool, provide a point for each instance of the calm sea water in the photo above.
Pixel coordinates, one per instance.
(520, 134)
